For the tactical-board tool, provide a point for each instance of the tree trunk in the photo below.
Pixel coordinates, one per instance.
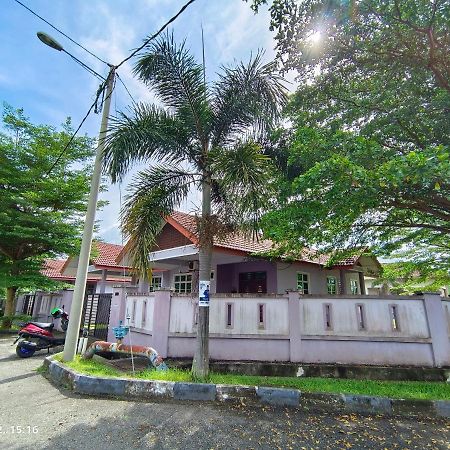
(10, 306)
(200, 365)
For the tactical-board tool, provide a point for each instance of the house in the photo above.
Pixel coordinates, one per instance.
(236, 269)
(103, 274)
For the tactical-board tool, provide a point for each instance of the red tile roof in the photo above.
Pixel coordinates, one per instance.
(241, 242)
(52, 268)
(106, 254)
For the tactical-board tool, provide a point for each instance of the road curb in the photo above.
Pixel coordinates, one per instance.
(126, 388)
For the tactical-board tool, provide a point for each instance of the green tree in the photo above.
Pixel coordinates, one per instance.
(201, 140)
(371, 129)
(41, 206)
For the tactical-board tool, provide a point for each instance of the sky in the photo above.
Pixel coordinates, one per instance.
(50, 86)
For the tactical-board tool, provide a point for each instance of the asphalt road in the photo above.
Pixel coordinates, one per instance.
(34, 414)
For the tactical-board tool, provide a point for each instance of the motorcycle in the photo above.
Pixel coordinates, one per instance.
(35, 336)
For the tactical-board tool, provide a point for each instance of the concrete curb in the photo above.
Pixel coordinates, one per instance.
(151, 389)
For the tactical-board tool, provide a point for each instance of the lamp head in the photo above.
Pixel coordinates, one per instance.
(48, 40)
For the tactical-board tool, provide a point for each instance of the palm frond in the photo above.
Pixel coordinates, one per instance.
(242, 187)
(155, 193)
(250, 95)
(177, 78)
(147, 132)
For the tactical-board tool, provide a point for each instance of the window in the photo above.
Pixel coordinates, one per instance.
(360, 317)
(332, 285)
(229, 315)
(144, 313)
(303, 283)
(393, 312)
(327, 316)
(354, 287)
(261, 315)
(155, 284)
(183, 283)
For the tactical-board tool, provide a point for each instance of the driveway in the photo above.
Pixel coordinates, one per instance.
(36, 415)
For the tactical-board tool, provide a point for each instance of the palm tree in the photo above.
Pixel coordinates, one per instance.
(206, 137)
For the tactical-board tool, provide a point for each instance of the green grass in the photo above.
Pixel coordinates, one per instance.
(392, 389)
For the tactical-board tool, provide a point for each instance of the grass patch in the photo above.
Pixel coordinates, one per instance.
(91, 367)
(393, 389)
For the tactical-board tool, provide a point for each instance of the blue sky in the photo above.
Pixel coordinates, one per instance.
(49, 86)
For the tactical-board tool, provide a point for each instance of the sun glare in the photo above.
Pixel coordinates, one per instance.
(315, 37)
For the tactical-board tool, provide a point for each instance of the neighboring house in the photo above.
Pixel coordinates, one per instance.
(103, 274)
(235, 269)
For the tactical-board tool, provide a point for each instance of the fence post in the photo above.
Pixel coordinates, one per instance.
(295, 312)
(117, 312)
(439, 331)
(161, 320)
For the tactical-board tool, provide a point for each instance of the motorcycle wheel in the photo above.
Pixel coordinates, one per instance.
(64, 324)
(23, 352)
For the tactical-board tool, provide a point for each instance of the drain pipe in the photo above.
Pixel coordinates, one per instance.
(151, 354)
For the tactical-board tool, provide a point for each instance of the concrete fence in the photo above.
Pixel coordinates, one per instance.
(392, 330)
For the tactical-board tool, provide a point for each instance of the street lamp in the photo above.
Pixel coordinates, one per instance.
(76, 307)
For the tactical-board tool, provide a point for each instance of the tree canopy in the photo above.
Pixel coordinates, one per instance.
(41, 203)
(371, 128)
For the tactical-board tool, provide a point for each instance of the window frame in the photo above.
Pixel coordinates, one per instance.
(329, 277)
(184, 282)
(355, 283)
(308, 281)
(151, 286)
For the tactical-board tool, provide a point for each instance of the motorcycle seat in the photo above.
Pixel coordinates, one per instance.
(43, 325)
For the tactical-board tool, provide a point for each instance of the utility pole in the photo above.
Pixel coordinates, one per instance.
(76, 308)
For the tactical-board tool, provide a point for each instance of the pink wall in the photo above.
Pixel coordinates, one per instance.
(422, 340)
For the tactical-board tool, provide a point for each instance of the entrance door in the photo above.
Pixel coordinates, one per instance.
(253, 283)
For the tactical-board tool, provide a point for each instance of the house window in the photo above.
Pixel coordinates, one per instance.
(393, 313)
(261, 315)
(327, 316)
(360, 317)
(229, 315)
(155, 284)
(144, 313)
(332, 285)
(354, 287)
(303, 283)
(183, 283)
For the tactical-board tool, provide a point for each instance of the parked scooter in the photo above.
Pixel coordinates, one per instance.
(35, 336)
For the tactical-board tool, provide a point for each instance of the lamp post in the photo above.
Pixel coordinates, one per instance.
(76, 307)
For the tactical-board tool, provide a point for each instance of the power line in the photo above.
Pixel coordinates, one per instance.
(156, 34)
(61, 32)
(125, 86)
(99, 93)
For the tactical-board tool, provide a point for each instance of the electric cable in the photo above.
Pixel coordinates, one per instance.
(134, 52)
(99, 93)
(61, 32)
(125, 86)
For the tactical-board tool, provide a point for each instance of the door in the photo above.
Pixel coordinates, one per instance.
(253, 283)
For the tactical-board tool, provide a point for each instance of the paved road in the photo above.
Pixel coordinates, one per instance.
(50, 418)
